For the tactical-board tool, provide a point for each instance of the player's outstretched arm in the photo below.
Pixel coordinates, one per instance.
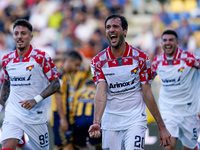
(164, 135)
(53, 87)
(100, 100)
(5, 91)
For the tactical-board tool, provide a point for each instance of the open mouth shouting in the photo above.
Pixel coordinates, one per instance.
(113, 38)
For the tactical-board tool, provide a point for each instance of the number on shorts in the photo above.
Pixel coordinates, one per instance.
(139, 142)
(44, 139)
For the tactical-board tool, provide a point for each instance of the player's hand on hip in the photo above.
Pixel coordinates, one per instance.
(164, 137)
(28, 104)
(95, 131)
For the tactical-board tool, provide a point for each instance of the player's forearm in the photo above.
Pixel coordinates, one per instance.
(52, 88)
(59, 105)
(99, 102)
(5, 91)
(152, 106)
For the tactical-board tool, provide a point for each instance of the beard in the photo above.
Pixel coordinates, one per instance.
(21, 48)
(121, 39)
(171, 53)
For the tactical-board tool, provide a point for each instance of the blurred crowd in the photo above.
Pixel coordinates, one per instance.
(63, 25)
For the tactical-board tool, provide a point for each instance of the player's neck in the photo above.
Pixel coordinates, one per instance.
(171, 56)
(119, 52)
(22, 52)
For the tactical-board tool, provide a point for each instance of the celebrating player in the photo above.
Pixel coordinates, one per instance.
(30, 76)
(179, 93)
(123, 77)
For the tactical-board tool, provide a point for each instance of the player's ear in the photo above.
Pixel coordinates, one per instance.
(125, 32)
(31, 36)
(178, 42)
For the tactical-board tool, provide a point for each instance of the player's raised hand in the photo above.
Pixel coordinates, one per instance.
(28, 104)
(95, 130)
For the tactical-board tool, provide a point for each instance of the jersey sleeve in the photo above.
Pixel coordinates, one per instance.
(96, 70)
(49, 67)
(5, 61)
(154, 67)
(145, 72)
(193, 61)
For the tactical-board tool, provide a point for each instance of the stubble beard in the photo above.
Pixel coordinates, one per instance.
(21, 48)
(121, 39)
(171, 53)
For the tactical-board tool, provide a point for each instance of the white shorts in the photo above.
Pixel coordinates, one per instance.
(132, 138)
(37, 133)
(186, 129)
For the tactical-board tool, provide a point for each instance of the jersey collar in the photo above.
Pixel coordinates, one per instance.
(125, 53)
(27, 54)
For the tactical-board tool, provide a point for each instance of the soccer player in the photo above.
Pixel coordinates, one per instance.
(179, 93)
(30, 76)
(83, 116)
(123, 77)
(72, 79)
(24, 145)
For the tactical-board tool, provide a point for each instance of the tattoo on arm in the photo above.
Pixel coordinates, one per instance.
(52, 88)
(5, 91)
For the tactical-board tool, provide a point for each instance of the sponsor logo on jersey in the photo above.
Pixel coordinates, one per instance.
(181, 69)
(109, 74)
(170, 80)
(11, 69)
(162, 71)
(134, 70)
(29, 68)
(20, 78)
(122, 84)
(17, 78)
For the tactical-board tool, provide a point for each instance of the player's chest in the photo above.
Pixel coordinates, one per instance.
(122, 74)
(22, 70)
(172, 72)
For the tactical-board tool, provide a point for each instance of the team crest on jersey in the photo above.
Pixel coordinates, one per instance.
(181, 69)
(135, 70)
(30, 67)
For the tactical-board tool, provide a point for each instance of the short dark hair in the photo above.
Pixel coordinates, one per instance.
(73, 55)
(23, 22)
(170, 32)
(124, 22)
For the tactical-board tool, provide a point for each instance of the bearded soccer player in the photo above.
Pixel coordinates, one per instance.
(179, 93)
(30, 76)
(123, 77)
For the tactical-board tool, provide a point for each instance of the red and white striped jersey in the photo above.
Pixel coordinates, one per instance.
(180, 80)
(28, 76)
(124, 76)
